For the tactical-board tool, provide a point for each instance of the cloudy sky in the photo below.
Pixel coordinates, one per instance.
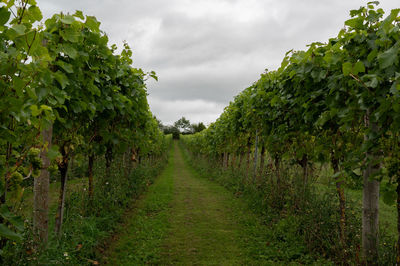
(205, 52)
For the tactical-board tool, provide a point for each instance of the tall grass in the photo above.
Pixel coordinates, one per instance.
(88, 222)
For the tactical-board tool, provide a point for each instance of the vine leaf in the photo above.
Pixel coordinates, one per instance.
(389, 57)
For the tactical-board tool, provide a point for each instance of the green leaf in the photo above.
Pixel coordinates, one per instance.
(45, 107)
(92, 23)
(95, 90)
(154, 75)
(355, 23)
(12, 218)
(325, 117)
(346, 68)
(395, 89)
(358, 68)
(10, 3)
(35, 110)
(373, 82)
(18, 85)
(41, 92)
(7, 233)
(19, 29)
(68, 19)
(31, 92)
(4, 15)
(35, 12)
(70, 51)
(372, 55)
(79, 14)
(70, 34)
(274, 100)
(389, 57)
(67, 67)
(53, 152)
(62, 79)
(386, 24)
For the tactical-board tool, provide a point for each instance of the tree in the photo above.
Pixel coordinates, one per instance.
(198, 127)
(183, 125)
(172, 130)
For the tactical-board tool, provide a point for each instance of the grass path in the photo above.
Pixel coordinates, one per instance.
(202, 226)
(187, 220)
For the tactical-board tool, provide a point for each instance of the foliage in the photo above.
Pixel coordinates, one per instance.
(172, 130)
(334, 104)
(86, 226)
(63, 75)
(198, 127)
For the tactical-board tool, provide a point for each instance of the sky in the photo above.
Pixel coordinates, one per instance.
(205, 52)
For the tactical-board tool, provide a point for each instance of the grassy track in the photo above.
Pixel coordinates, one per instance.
(187, 220)
(203, 228)
(140, 239)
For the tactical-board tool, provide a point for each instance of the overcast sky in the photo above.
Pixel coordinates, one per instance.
(205, 52)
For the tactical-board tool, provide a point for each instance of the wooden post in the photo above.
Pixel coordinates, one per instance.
(255, 158)
(398, 218)
(370, 217)
(41, 192)
(248, 159)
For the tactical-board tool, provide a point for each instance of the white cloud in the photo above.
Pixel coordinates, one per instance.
(196, 111)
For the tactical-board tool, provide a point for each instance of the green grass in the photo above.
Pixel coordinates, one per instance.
(387, 213)
(87, 223)
(25, 207)
(185, 219)
(139, 240)
(260, 239)
(203, 228)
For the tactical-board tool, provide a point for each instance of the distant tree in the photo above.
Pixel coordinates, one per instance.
(175, 133)
(183, 125)
(167, 130)
(198, 127)
(171, 130)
